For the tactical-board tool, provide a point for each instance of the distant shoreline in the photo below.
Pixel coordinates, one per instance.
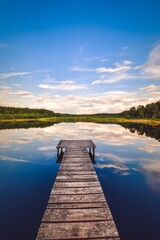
(83, 119)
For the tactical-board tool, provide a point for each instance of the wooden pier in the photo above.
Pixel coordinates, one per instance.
(77, 208)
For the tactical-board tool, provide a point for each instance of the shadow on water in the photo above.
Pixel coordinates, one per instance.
(59, 156)
(26, 125)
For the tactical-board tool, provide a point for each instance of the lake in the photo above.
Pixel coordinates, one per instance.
(127, 164)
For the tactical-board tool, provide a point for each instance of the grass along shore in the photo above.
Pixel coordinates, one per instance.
(94, 119)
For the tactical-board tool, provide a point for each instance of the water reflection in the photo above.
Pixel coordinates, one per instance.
(127, 164)
(143, 129)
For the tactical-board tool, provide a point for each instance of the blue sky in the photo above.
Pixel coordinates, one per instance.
(79, 56)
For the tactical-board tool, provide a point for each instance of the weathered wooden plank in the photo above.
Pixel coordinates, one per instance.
(77, 190)
(76, 184)
(76, 198)
(74, 161)
(75, 144)
(77, 215)
(76, 164)
(78, 205)
(78, 158)
(77, 230)
(76, 155)
(82, 168)
(76, 177)
(70, 153)
(77, 180)
(76, 173)
(79, 152)
(75, 150)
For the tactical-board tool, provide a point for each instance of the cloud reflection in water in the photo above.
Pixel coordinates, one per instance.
(117, 147)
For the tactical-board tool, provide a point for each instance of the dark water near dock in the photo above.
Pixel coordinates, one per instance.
(127, 164)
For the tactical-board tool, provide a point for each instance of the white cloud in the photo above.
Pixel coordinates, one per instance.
(111, 101)
(127, 62)
(12, 159)
(124, 70)
(5, 87)
(151, 69)
(116, 158)
(19, 93)
(119, 167)
(149, 149)
(96, 82)
(48, 148)
(152, 172)
(97, 58)
(113, 70)
(63, 86)
(121, 67)
(20, 141)
(113, 78)
(79, 69)
(150, 88)
(13, 74)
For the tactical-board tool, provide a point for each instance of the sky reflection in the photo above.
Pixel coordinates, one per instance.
(117, 147)
(126, 164)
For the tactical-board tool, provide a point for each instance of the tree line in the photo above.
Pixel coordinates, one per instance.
(11, 112)
(151, 110)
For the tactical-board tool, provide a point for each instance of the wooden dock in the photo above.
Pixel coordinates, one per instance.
(77, 208)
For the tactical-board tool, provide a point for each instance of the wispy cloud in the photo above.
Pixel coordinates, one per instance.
(124, 48)
(150, 88)
(64, 86)
(48, 148)
(125, 70)
(151, 69)
(113, 70)
(13, 74)
(20, 93)
(127, 62)
(12, 159)
(79, 69)
(97, 59)
(20, 141)
(152, 173)
(149, 149)
(116, 158)
(119, 167)
(5, 87)
(103, 79)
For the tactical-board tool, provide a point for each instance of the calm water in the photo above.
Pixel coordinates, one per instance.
(127, 164)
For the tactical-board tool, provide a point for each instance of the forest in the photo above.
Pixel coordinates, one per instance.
(150, 111)
(17, 112)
